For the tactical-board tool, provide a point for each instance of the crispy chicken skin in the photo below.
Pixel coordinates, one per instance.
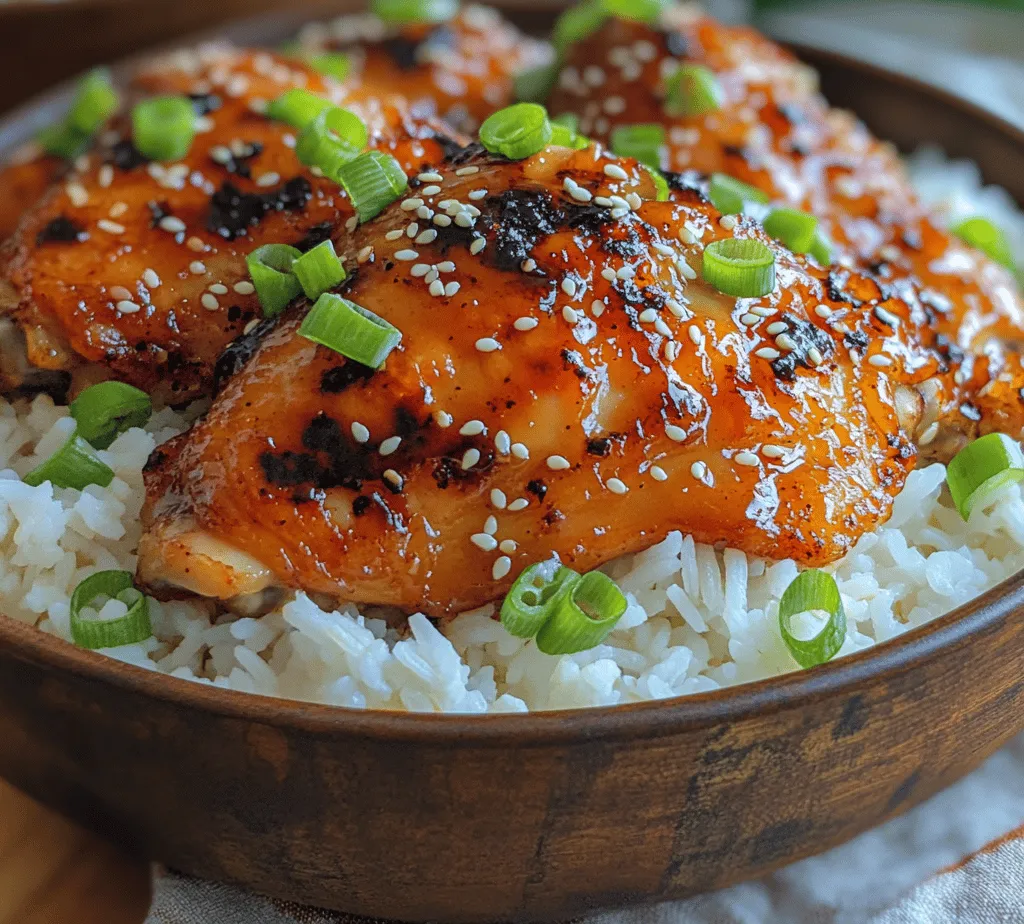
(137, 270)
(774, 131)
(568, 375)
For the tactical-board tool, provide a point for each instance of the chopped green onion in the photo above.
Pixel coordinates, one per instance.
(535, 85)
(821, 248)
(692, 90)
(333, 138)
(329, 63)
(63, 140)
(354, 332)
(584, 617)
(642, 142)
(981, 468)
(297, 107)
(74, 465)
(567, 120)
(412, 11)
(727, 194)
(660, 184)
(373, 181)
(813, 590)
(529, 602)
(319, 269)
(577, 23)
(163, 127)
(270, 268)
(133, 626)
(95, 101)
(105, 410)
(636, 10)
(796, 229)
(517, 131)
(742, 268)
(988, 238)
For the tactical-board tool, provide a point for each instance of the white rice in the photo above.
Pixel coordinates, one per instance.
(698, 619)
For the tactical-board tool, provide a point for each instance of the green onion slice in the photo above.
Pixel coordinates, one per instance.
(270, 268)
(813, 590)
(163, 127)
(63, 140)
(727, 194)
(95, 101)
(661, 191)
(133, 627)
(535, 85)
(373, 181)
(329, 63)
(981, 468)
(297, 107)
(577, 23)
(105, 410)
(642, 142)
(517, 131)
(583, 617)
(319, 269)
(412, 11)
(529, 602)
(354, 332)
(74, 465)
(796, 229)
(636, 10)
(821, 248)
(333, 138)
(988, 238)
(692, 90)
(742, 268)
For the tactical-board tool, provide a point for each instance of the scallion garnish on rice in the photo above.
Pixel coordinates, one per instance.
(564, 611)
(163, 127)
(130, 627)
(813, 591)
(517, 131)
(981, 468)
(74, 465)
(354, 332)
(105, 410)
(743, 268)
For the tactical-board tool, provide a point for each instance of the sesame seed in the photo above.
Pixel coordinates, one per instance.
(437, 290)
(750, 320)
(695, 334)
(111, 227)
(785, 342)
(209, 302)
(647, 316)
(487, 345)
(658, 473)
(446, 267)
(412, 230)
(251, 326)
(197, 267)
(484, 541)
(728, 222)
(773, 452)
(569, 287)
(597, 307)
(472, 428)
(425, 213)
(464, 220)
(558, 463)
(520, 451)
(525, 324)
(570, 315)
(929, 435)
(76, 192)
(419, 269)
(616, 486)
(508, 546)
(393, 478)
(118, 209)
(685, 269)
(747, 458)
(776, 327)
(364, 254)
(625, 272)
(880, 359)
(762, 312)
(498, 498)
(389, 445)
(120, 292)
(886, 317)
(478, 244)
(352, 223)
(615, 171)
(477, 194)
(698, 470)
(106, 175)
(676, 308)
(502, 442)
(603, 201)
(501, 567)
(442, 221)
(823, 311)
(406, 255)
(490, 525)
(814, 355)
(767, 353)
(634, 201)
(219, 289)
(662, 328)
(360, 432)
(426, 237)
(410, 205)
(151, 279)
(451, 289)
(195, 244)
(172, 224)
(394, 235)
(430, 177)
(687, 236)
(268, 179)
(430, 190)
(520, 503)
(444, 419)
(467, 171)
(127, 307)
(674, 433)
(672, 350)
(609, 274)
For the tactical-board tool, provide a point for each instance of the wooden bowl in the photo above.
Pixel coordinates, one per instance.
(540, 816)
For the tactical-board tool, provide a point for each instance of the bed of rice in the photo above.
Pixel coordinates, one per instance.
(698, 618)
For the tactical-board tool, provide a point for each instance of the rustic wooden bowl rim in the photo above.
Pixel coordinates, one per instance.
(649, 719)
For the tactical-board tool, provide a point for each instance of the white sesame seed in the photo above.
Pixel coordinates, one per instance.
(364, 254)
(676, 308)
(394, 235)
(886, 317)
(597, 307)
(698, 470)
(411, 204)
(406, 255)
(625, 272)
(127, 307)
(472, 428)
(616, 486)
(436, 288)
(558, 463)
(444, 419)
(120, 292)
(685, 269)
(219, 289)
(823, 311)
(491, 525)
(672, 350)
(767, 353)
(111, 227)
(430, 190)
(580, 194)
(615, 171)
(502, 566)
(776, 327)
(478, 244)
(442, 221)
(502, 442)
(609, 274)
(430, 177)
(464, 220)
(251, 326)
(412, 230)
(195, 244)
(389, 445)
(419, 269)
(498, 498)
(508, 546)
(728, 222)
(773, 452)
(426, 237)
(569, 287)
(674, 433)
(750, 319)
(210, 302)
(467, 171)
(106, 175)
(520, 451)
(352, 223)
(451, 288)
(425, 213)
(747, 458)
(785, 342)
(360, 432)
(929, 435)
(658, 473)
(393, 478)
(695, 334)
(525, 323)
(446, 267)
(814, 355)
(484, 541)
(269, 179)
(118, 209)
(647, 316)
(634, 201)
(197, 267)
(880, 359)
(570, 315)
(151, 279)
(487, 345)
(520, 503)
(77, 193)
(687, 236)
(477, 194)
(762, 312)
(172, 224)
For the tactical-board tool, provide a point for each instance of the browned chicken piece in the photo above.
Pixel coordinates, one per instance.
(137, 270)
(774, 131)
(461, 70)
(22, 183)
(567, 383)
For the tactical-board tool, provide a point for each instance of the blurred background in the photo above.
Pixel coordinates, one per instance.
(974, 47)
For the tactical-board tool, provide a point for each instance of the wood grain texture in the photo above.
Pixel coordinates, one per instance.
(53, 872)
